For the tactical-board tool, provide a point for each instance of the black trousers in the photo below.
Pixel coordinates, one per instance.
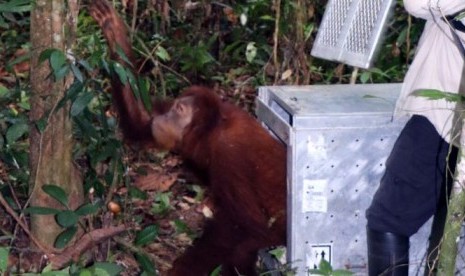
(418, 175)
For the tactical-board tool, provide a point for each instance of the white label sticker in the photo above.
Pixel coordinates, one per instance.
(317, 253)
(314, 197)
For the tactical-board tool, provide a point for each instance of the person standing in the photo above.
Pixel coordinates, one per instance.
(422, 160)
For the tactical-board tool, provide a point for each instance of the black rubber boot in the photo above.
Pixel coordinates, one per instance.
(387, 254)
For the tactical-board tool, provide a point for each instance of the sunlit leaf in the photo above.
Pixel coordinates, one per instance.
(4, 252)
(162, 53)
(433, 94)
(250, 51)
(325, 266)
(278, 253)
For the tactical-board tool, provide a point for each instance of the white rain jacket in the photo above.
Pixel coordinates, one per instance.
(438, 64)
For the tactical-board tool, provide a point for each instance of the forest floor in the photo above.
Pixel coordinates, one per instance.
(173, 202)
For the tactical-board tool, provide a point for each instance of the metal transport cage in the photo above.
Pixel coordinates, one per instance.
(338, 138)
(351, 30)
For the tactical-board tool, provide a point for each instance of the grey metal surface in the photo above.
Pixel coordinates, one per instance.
(338, 139)
(350, 31)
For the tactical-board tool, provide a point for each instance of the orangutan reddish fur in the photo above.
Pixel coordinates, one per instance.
(243, 166)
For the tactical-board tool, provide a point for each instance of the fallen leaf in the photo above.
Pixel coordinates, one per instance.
(156, 181)
(207, 212)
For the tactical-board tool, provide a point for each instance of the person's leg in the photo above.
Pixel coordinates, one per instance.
(407, 196)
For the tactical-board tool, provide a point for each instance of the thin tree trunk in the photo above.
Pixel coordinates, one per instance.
(50, 150)
(455, 216)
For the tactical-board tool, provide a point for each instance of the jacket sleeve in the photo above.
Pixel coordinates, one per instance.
(429, 9)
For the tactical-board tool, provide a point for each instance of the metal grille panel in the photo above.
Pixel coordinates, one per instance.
(350, 31)
(336, 19)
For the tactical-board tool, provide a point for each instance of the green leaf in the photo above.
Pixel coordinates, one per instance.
(316, 272)
(16, 131)
(133, 82)
(64, 272)
(433, 94)
(181, 227)
(250, 52)
(86, 65)
(77, 73)
(41, 124)
(122, 55)
(81, 103)
(71, 94)
(87, 209)
(46, 54)
(61, 72)
(67, 218)
(136, 193)
(121, 72)
(3, 91)
(4, 252)
(37, 210)
(267, 18)
(342, 272)
(147, 235)
(86, 272)
(146, 264)
(65, 236)
(365, 77)
(57, 60)
(216, 271)
(162, 53)
(277, 252)
(57, 193)
(16, 6)
(460, 16)
(325, 266)
(109, 269)
(144, 90)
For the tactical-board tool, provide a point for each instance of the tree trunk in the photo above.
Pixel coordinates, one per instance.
(51, 149)
(455, 215)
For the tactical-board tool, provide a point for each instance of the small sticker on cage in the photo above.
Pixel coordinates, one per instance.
(314, 196)
(316, 147)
